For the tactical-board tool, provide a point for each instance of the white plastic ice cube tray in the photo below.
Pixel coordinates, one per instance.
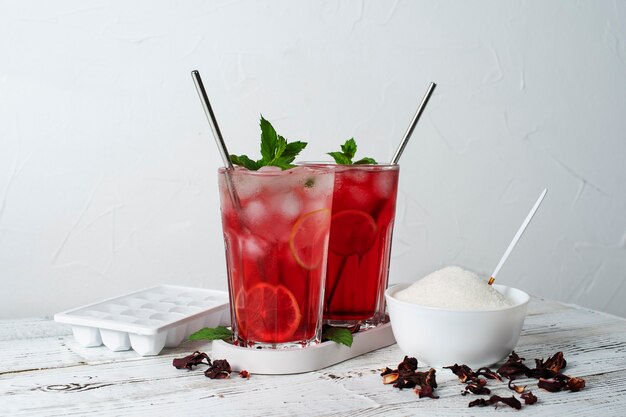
(147, 320)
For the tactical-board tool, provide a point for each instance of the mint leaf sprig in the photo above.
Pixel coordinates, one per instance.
(348, 150)
(212, 333)
(275, 150)
(335, 334)
(339, 335)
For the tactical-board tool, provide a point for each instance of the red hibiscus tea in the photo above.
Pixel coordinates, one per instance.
(364, 205)
(276, 226)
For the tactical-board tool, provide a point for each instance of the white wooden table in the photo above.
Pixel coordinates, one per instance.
(43, 372)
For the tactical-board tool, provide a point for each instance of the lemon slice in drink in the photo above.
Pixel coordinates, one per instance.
(267, 313)
(307, 238)
(353, 232)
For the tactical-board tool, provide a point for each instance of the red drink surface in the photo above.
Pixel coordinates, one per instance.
(364, 205)
(276, 250)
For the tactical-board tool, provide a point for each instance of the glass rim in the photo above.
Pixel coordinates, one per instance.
(317, 169)
(386, 166)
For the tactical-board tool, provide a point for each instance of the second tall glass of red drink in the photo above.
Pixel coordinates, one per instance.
(363, 213)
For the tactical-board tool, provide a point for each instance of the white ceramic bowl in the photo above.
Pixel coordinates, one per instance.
(441, 337)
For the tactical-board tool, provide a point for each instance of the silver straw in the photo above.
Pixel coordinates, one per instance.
(219, 140)
(221, 145)
(416, 118)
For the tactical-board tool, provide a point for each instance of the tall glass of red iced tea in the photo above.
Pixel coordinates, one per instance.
(363, 212)
(276, 227)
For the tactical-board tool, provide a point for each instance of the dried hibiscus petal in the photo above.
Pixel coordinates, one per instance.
(529, 398)
(477, 387)
(514, 366)
(517, 388)
(244, 374)
(407, 376)
(192, 360)
(405, 383)
(426, 391)
(552, 385)
(561, 382)
(556, 362)
(463, 372)
(487, 373)
(495, 399)
(548, 369)
(510, 401)
(387, 371)
(466, 374)
(407, 365)
(548, 372)
(427, 378)
(540, 372)
(575, 384)
(220, 369)
(390, 378)
(481, 402)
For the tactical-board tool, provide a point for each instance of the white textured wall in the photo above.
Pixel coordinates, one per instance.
(108, 168)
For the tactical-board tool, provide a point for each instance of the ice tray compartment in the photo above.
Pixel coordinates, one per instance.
(147, 320)
(114, 340)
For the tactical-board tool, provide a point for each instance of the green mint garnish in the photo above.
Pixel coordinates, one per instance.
(339, 335)
(275, 150)
(335, 334)
(244, 161)
(348, 150)
(212, 333)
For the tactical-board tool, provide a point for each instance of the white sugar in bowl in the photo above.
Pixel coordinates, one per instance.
(440, 337)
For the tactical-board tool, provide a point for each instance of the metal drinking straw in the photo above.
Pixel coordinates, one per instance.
(217, 134)
(208, 110)
(517, 236)
(416, 118)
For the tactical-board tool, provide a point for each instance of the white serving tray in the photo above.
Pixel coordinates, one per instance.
(298, 360)
(147, 320)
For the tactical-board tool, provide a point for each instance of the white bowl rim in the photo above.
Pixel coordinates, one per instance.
(402, 285)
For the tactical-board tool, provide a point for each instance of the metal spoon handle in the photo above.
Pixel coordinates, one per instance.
(204, 98)
(517, 236)
(416, 118)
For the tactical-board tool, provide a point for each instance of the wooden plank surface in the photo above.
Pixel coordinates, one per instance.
(43, 372)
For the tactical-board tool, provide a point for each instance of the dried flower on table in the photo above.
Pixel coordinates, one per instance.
(407, 376)
(390, 378)
(551, 385)
(192, 360)
(529, 398)
(514, 366)
(487, 373)
(244, 374)
(517, 388)
(219, 370)
(575, 384)
(548, 369)
(477, 387)
(480, 402)
(475, 384)
(495, 399)
(561, 382)
(387, 370)
(547, 372)
(426, 391)
(407, 365)
(555, 363)
(463, 372)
